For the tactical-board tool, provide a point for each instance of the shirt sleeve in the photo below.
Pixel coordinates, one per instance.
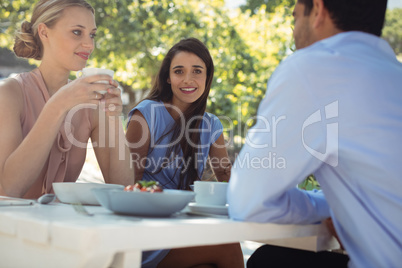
(279, 153)
(145, 108)
(217, 128)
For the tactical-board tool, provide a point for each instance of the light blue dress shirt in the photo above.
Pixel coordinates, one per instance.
(333, 109)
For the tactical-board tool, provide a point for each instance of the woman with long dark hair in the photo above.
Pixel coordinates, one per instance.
(171, 137)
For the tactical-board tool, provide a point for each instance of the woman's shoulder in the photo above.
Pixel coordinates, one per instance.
(146, 106)
(18, 83)
(145, 103)
(11, 92)
(210, 117)
(212, 120)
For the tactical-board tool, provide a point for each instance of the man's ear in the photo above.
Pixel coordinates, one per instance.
(319, 13)
(42, 31)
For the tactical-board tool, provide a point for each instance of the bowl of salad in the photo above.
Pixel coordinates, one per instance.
(145, 198)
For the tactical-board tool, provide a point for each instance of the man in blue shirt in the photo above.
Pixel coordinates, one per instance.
(332, 109)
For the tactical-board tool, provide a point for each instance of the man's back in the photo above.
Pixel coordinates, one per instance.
(342, 101)
(364, 190)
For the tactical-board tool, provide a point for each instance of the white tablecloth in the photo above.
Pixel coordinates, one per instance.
(56, 236)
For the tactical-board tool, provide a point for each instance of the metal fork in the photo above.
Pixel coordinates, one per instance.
(80, 209)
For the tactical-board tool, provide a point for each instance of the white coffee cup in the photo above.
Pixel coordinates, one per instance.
(93, 71)
(210, 192)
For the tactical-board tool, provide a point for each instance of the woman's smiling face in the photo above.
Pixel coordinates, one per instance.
(70, 41)
(187, 77)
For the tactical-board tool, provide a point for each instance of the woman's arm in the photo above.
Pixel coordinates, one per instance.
(219, 159)
(109, 140)
(138, 136)
(22, 159)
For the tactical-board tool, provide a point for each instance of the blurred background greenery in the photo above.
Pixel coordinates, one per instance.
(246, 43)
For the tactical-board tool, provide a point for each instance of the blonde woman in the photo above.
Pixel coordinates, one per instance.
(46, 119)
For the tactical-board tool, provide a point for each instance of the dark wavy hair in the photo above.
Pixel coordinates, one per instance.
(354, 15)
(162, 91)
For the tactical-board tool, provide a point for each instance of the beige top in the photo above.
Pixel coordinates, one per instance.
(68, 153)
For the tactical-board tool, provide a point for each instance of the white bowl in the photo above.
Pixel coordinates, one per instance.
(76, 192)
(157, 204)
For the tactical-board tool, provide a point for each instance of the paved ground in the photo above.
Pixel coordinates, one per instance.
(91, 173)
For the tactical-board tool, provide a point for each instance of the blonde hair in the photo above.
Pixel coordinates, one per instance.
(27, 42)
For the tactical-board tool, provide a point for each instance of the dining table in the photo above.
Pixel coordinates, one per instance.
(56, 235)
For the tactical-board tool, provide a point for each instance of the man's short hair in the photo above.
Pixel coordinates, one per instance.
(354, 15)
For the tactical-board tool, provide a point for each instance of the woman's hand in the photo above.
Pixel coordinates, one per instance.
(111, 101)
(85, 90)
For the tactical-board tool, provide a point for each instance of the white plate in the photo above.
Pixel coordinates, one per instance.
(11, 201)
(208, 209)
(77, 192)
(144, 203)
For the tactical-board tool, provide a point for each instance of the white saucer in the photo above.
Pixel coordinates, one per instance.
(208, 209)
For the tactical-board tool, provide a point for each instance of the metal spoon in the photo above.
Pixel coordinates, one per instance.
(46, 198)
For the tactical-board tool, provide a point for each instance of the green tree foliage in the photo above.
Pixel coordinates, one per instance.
(254, 5)
(310, 183)
(268, 37)
(392, 31)
(12, 13)
(246, 44)
(142, 32)
(134, 36)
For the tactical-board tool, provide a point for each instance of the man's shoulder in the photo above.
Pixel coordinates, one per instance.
(311, 57)
(307, 54)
